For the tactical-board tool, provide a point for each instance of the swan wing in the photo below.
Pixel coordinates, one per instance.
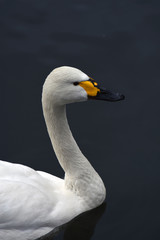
(59, 182)
(32, 199)
(22, 205)
(26, 198)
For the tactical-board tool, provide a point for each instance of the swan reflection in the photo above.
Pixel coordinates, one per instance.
(82, 227)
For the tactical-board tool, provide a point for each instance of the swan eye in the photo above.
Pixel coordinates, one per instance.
(75, 83)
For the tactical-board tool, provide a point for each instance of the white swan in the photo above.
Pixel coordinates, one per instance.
(32, 203)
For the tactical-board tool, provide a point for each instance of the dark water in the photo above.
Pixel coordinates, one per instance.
(118, 44)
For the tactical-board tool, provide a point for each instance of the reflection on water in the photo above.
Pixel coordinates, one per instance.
(82, 227)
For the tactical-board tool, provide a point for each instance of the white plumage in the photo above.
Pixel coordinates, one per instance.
(32, 203)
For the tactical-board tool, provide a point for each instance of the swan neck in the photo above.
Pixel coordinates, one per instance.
(80, 176)
(67, 151)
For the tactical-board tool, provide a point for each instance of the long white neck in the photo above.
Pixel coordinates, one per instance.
(78, 171)
(67, 151)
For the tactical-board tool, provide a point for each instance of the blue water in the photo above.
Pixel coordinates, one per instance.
(116, 43)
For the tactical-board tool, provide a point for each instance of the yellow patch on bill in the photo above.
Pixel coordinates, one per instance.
(90, 88)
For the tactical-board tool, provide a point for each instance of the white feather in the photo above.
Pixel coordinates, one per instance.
(32, 203)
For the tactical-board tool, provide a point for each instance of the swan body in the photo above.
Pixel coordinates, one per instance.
(32, 203)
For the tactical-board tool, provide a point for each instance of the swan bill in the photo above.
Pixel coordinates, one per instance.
(94, 91)
(108, 96)
(90, 87)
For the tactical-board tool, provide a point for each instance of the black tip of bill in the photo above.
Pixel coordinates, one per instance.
(109, 96)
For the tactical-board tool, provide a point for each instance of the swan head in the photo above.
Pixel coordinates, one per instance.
(68, 84)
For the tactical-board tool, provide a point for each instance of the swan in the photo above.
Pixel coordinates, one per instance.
(32, 203)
